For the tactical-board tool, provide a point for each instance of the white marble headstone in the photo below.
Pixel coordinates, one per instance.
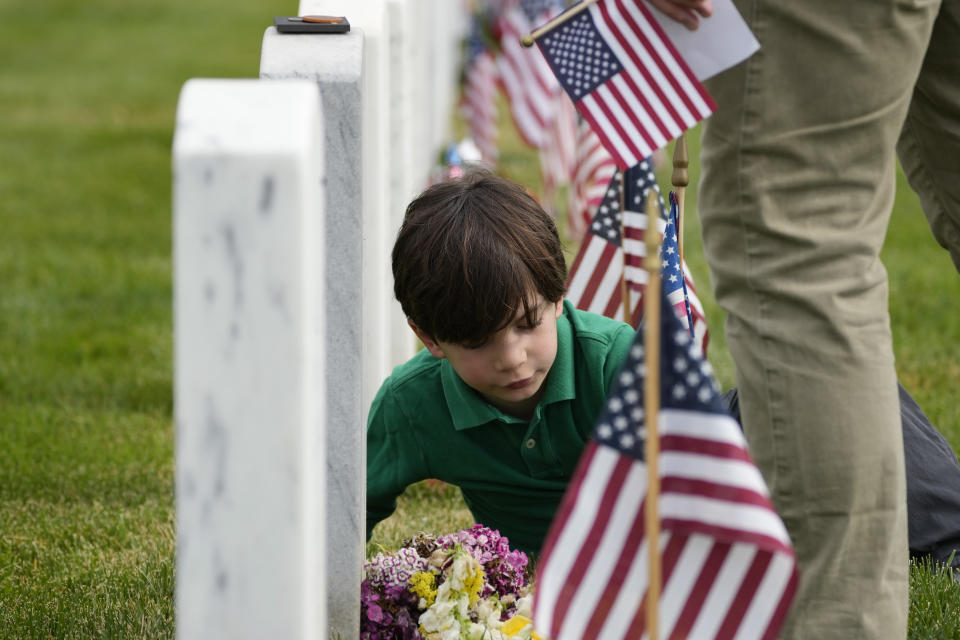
(249, 359)
(334, 62)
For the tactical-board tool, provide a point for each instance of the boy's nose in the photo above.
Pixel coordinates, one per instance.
(512, 354)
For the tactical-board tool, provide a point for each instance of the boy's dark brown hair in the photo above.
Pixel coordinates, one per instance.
(472, 252)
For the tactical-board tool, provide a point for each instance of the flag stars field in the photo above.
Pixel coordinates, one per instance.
(583, 61)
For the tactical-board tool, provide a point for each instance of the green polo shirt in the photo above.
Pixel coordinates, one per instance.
(425, 422)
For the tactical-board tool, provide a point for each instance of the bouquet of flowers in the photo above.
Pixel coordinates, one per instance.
(466, 585)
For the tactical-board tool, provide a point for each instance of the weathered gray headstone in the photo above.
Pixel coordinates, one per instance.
(385, 335)
(249, 360)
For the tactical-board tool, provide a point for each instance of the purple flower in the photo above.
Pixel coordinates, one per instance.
(387, 612)
(505, 568)
(374, 613)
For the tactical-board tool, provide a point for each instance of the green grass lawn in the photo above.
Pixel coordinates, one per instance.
(88, 95)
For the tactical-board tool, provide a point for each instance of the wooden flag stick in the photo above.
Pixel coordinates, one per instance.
(651, 403)
(528, 39)
(680, 179)
(624, 288)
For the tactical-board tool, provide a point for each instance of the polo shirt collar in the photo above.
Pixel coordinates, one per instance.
(468, 409)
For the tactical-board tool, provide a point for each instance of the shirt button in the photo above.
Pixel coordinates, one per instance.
(531, 443)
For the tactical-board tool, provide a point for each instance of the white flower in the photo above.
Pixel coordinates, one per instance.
(525, 606)
(462, 570)
(475, 631)
(443, 591)
(438, 621)
(489, 611)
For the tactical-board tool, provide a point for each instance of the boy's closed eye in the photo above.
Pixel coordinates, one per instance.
(521, 325)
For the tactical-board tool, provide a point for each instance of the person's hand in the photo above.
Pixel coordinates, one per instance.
(686, 12)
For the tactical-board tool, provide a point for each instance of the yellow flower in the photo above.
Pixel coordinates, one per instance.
(474, 585)
(466, 575)
(424, 584)
(519, 626)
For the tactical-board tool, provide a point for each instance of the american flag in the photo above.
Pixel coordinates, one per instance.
(678, 282)
(626, 78)
(594, 283)
(671, 272)
(479, 102)
(728, 567)
(593, 168)
(558, 153)
(531, 87)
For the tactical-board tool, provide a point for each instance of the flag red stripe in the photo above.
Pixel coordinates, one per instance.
(701, 588)
(592, 541)
(479, 104)
(530, 88)
(519, 121)
(714, 490)
(637, 310)
(604, 135)
(728, 534)
(614, 308)
(610, 262)
(680, 61)
(527, 120)
(690, 444)
(666, 128)
(655, 85)
(615, 129)
(748, 587)
(598, 272)
(579, 258)
(783, 607)
(668, 561)
(626, 107)
(629, 551)
(593, 170)
(656, 55)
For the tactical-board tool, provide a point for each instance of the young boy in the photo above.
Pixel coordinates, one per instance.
(503, 398)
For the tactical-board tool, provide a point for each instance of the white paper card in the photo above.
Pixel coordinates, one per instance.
(721, 41)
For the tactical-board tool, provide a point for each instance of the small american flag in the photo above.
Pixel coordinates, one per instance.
(728, 567)
(594, 281)
(674, 281)
(593, 168)
(558, 152)
(626, 78)
(479, 102)
(531, 87)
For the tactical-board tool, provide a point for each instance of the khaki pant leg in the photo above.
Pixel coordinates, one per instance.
(796, 192)
(929, 146)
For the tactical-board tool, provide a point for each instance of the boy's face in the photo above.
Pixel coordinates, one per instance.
(509, 369)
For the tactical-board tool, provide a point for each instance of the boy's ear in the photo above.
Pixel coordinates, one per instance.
(559, 310)
(427, 341)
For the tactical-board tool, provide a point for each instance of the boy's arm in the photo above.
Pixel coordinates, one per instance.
(394, 461)
(617, 354)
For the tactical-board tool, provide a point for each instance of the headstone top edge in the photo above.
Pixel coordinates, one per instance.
(326, 58)
(246, 115)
